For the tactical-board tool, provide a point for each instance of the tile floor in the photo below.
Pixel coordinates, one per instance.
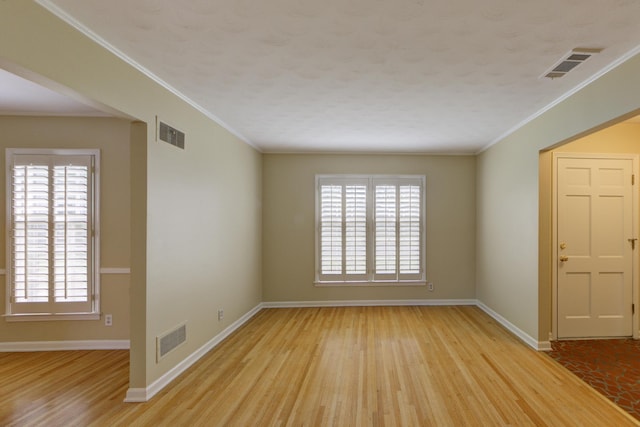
(610, 366)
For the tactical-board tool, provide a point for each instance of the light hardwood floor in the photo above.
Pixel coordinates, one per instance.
(356, 366)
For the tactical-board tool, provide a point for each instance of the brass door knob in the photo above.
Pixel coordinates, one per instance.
(564, 258)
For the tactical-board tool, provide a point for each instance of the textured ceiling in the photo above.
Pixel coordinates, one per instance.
(439, 76)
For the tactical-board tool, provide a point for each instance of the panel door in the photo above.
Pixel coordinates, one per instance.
(595, 225)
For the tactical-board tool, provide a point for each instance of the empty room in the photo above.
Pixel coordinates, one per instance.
(358, 213)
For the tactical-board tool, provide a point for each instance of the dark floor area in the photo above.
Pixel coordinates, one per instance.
(610, 366)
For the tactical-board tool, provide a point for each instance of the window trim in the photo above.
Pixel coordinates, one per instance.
(94, 286)
(370, 280)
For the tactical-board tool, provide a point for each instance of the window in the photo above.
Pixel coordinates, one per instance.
(52, 223)
(369, 229)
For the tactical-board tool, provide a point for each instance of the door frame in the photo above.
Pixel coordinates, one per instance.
(635, 283)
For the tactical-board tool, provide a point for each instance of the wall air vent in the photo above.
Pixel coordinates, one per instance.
(171, 135)
(570, 61)
(170, 340)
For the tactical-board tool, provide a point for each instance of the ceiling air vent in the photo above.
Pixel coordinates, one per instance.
(570, 61)
(171, 135)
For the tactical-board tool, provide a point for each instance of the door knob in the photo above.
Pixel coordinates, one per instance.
(564, 258)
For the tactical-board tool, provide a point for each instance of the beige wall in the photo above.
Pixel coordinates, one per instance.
(620, 138)
(111, 136)
(509, 278)
(289, 230)
(138, 294)
(201, 210)
(204, 235)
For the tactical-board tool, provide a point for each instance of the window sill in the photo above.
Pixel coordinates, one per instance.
(371, 284)
(42, 317)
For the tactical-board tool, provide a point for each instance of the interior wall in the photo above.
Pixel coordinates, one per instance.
(509, 278)
(289, 225)
(619, 138)
(204, 229)
(202, 206)
(138, 294)
(111, 136)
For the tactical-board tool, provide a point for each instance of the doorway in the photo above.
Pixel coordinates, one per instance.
(622, 139)
(594, 244)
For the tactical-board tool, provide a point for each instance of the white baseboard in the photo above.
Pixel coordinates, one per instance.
(367, 303)
(137, 395)
(544, 346)
(19, 346)
(526, 338)
(144, 394)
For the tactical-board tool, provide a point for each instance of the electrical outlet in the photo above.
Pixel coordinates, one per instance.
(220, 315)
(108, 320)
(430, 286)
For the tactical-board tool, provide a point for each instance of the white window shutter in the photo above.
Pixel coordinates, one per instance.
(410, 239)
(356, 230)
(52, 269)
(71, 233)
(385, 216)
(331, 230)
(370, 228)
(30, 233)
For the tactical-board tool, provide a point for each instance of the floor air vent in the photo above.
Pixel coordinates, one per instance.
(170, 340)
(171, 135)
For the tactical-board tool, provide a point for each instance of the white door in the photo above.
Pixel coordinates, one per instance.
(595, 247)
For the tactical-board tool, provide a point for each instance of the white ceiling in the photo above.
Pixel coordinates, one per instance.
(438, 76)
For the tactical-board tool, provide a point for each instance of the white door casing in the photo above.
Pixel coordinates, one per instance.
(593, 245)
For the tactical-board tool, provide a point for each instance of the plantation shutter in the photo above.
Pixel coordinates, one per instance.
(356, 231)
(51, 231)
(398, 229)
(410, 238)
(385, 232)
(331, 230)
(30, 233)
(343, 230)
(370, 229)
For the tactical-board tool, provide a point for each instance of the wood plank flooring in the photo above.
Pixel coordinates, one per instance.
(348, 366)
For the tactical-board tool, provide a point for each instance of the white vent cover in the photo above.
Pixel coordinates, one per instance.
(570, 61)
(170, 340)
(170, 135)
